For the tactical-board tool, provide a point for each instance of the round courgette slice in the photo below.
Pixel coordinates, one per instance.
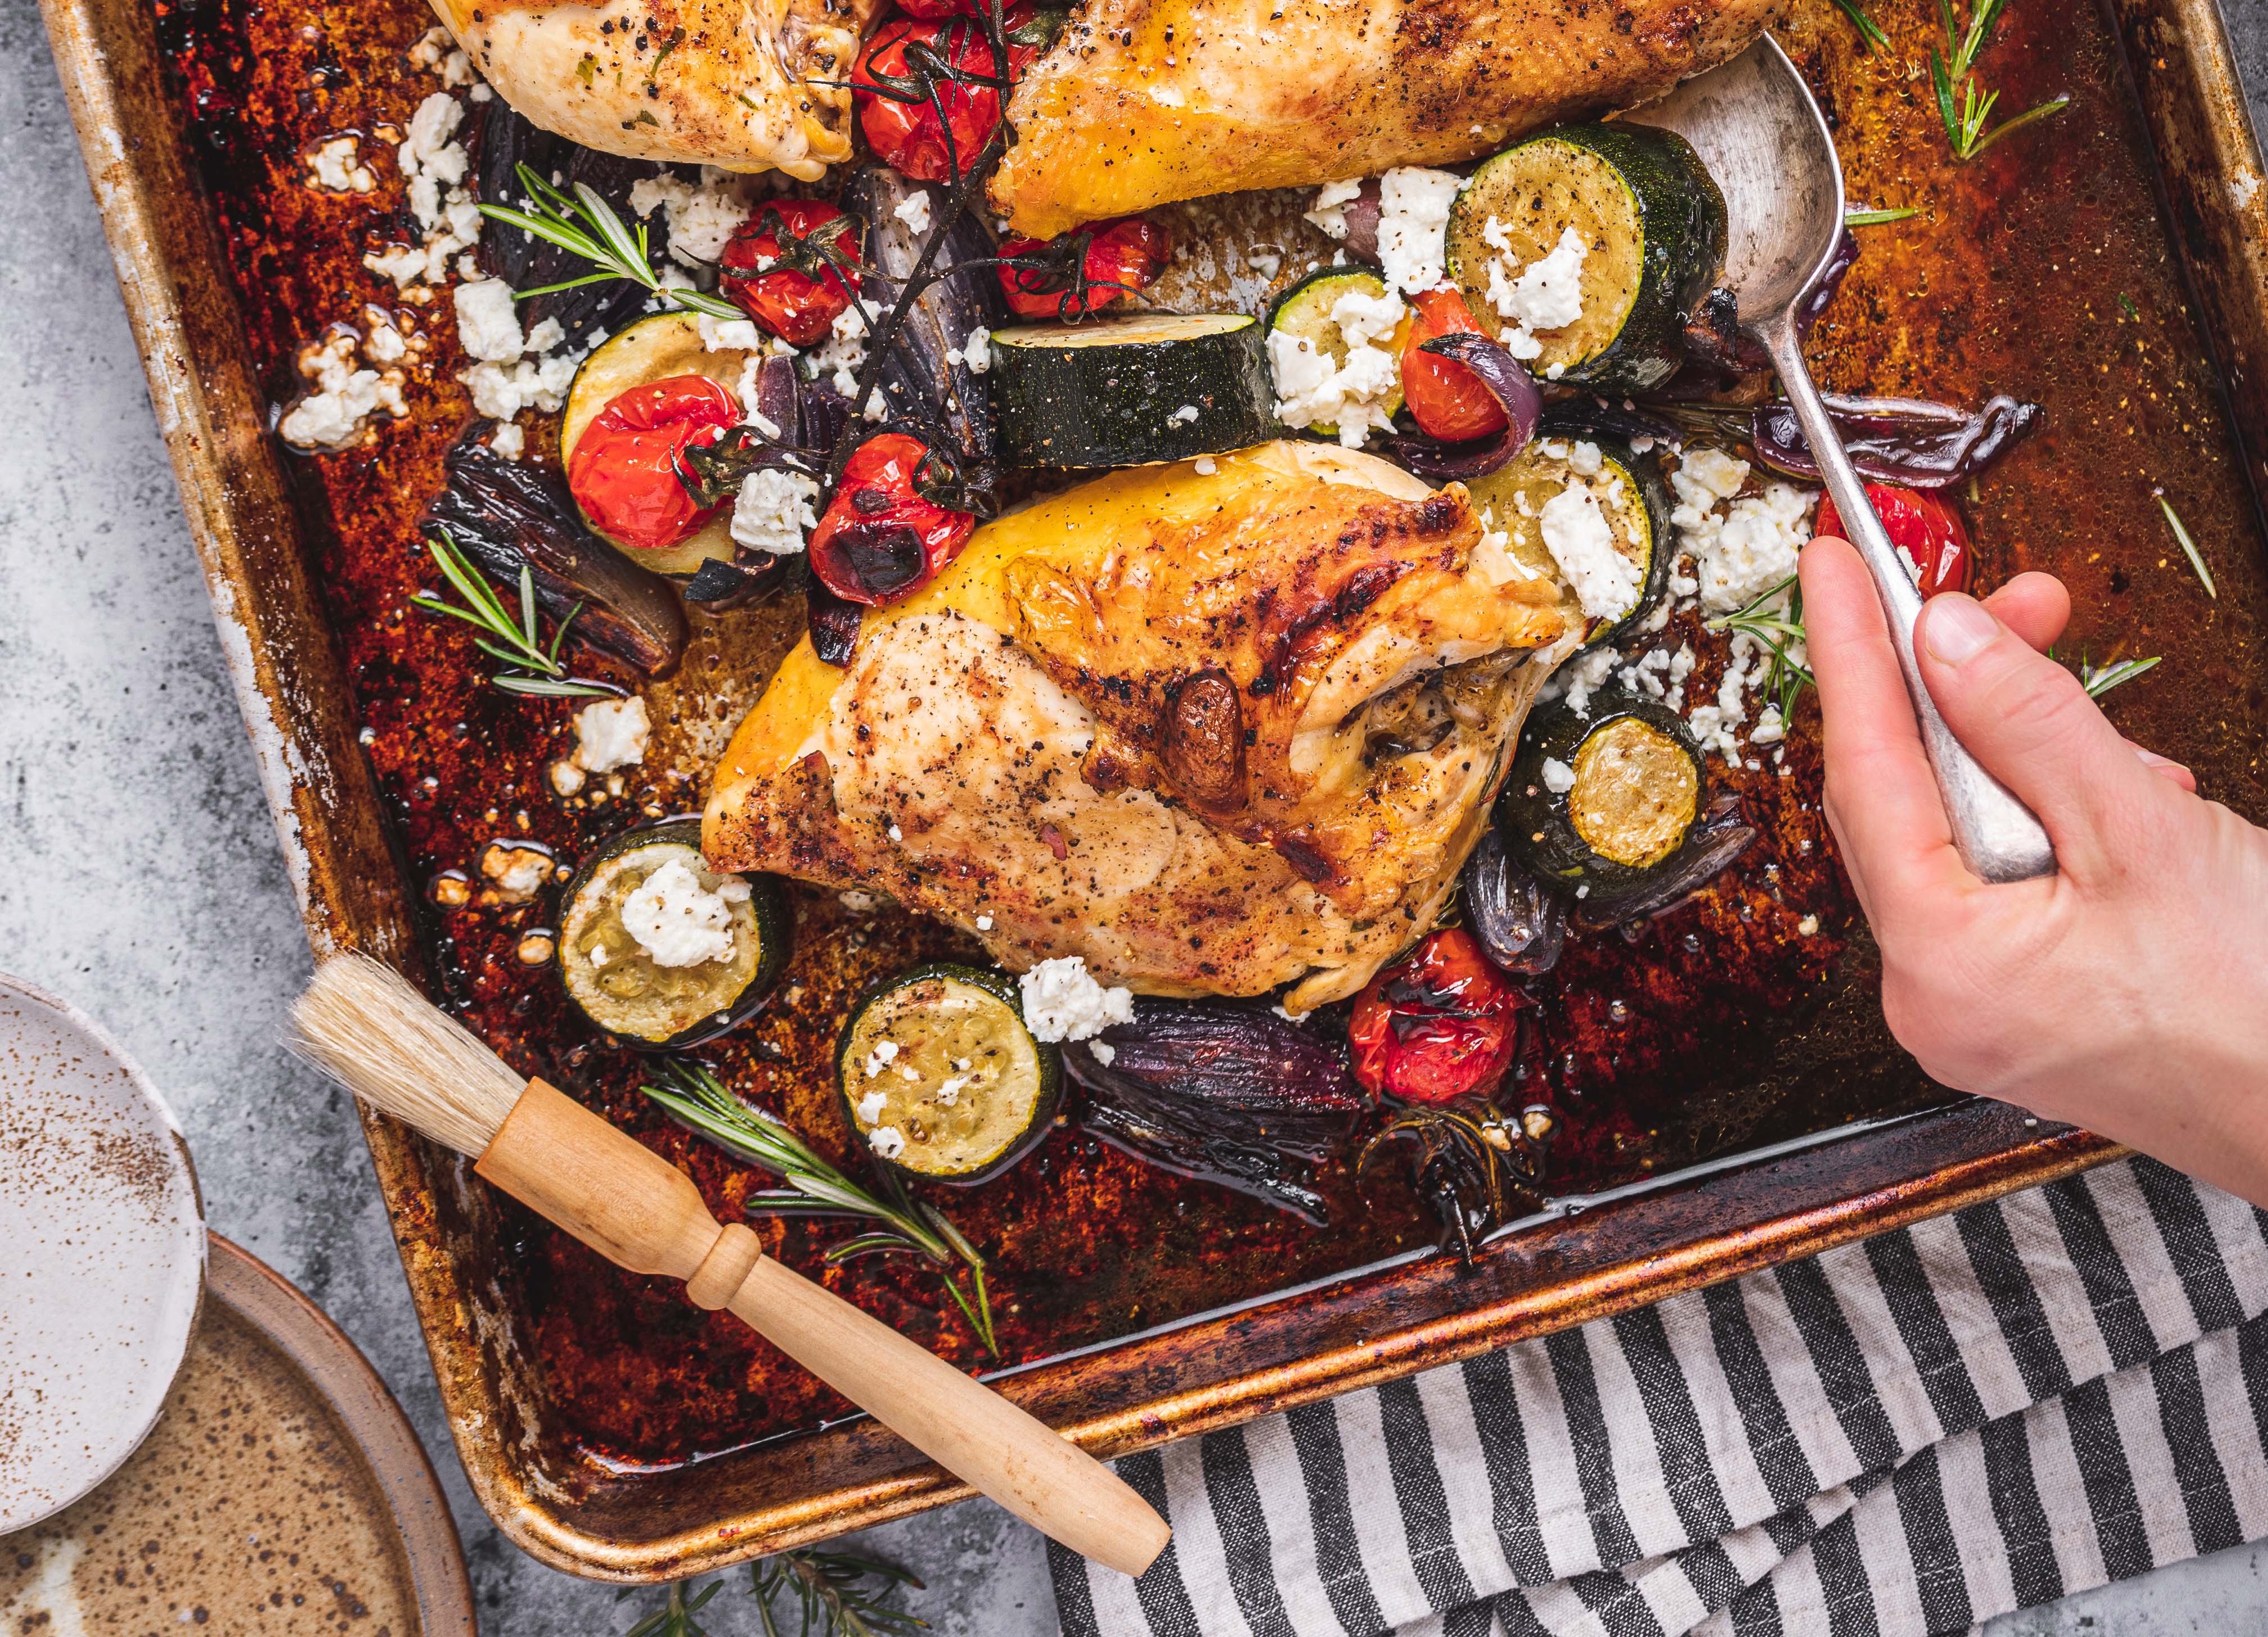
(1651, 223)
(659, 348)
(940, 1077)
(1603, 801)
(1305, 311)
(662, 951)
(1631, 498)
(1136, 390)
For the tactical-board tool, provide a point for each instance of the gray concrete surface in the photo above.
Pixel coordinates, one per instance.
(139, 877)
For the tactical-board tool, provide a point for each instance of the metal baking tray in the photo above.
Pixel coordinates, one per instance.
(2110, 265)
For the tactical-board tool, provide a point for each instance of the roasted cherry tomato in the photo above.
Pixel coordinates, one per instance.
(1447, 400)
(1922, 524)
(623, 473)
(908, 134)
(1123, 255)
(936, 10)
(882, 538)
(797, 305)
(1440, 1024)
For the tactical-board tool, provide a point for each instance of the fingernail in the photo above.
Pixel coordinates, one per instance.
(1957, 627)
(2151, 758)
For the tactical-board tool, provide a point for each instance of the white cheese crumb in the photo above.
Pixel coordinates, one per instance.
(949, 1094)
(337, 167)
(1328, 211)
(880, 1057)
(488, 324)
(728, 335)
(1558, 777)
(1205, 466)
(857, 903)
(1808, 926)
(1351, 396)
(1413, 226)
(611, 733)
(983, 923)
(1187, 414)
(845, 348)
(337, 411)
(913, 211)
(1105, 1053)
(889, 1141)
(774, 507)
(1582, 542)
(1062, 1001)
(700, 220)
(896, 834)
(680, 922)
(509, 440)
(871, 1106)
(1547, 294)
(977, 351)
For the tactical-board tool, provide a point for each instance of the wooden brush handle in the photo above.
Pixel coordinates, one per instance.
(641, 1213)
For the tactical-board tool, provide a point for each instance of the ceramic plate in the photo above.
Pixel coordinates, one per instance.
(102, 1254)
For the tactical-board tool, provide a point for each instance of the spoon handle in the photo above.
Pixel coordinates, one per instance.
(1997, 834)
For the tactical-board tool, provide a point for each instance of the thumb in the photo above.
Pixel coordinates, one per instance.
(2035, 729)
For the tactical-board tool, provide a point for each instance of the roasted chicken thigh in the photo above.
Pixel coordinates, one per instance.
(1218, 727)
(1144, 102)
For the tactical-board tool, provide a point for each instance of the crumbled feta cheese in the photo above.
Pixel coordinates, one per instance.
(977, 351)
(1105, 1053)
(1749, 547)
(1547, 294)
(983, 923)
(509, 440)
(845, 349)
(677, 921)
(1413, 226)
(700, 220)
(516, 872)
(611, 733)
(1062, 1001)
(337, 411)
(869, 1107)
(488, 324)
(337, 167)
(437, 54)
(1267, 263)
(888, 1140)
(1558, 777)
(1582, 542)
(1808, 926)
(1769, 728)
(1328, 211)
(1351, 396)
(949, 1093)
(884, 1053)
(1205, 466)
(1186, 415)
(503, 390)
(913, 211)
(774, 507)
(728, 335)
(1583, 675)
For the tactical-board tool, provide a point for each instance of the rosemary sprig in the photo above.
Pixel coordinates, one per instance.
(2099, 681)
(674, 1617)
(586, 225)
(697, 1099)
(1965, 106)
(1776, 629)
(1869, 35)
(2189, 547)
(1875, 218)
(516, 642)
(835, 1597)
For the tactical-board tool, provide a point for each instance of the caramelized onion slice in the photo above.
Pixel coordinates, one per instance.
(1521, 922)
(1709, 851)
(1899, 440)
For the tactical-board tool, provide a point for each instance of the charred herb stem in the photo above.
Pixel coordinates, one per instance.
(537, 668)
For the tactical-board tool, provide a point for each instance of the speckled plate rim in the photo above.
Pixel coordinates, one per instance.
(163, 1367)
(343, 1379)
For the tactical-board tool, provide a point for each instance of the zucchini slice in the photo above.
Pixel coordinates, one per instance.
(1304, 313)
(1604, 800)
(940, 1077)
(654, 349)
(1651, 221)
(1142, 389)
(1631, 500)
(677, 964)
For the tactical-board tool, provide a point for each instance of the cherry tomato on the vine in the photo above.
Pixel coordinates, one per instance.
(882, 538)
(787, 301)
(1125, 255)
(1447, 400)
(623, 472)
(1440, 1024)
(1922, 524)
(909, 135)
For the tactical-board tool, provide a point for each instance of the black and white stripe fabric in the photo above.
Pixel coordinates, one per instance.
(1906, 1436)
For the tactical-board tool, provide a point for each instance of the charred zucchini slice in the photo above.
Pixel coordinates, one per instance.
(653, 348)
(941, 1078)
(1603, 802)
(1546, 532)
(1137, 390)
(659, 949)
(1651, 223)
(1306, 313)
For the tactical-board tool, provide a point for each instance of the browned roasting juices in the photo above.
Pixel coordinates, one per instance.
(1746, 1016)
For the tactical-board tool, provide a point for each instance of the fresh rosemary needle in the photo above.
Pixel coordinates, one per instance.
(2099, 681)
(1776, 627)
(1962, 104)
(1869, 35)
(2189, 547)
(537, 667)
(1876, 218)
(586, 225)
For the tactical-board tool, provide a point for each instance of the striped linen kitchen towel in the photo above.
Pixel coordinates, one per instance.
(1906, 1436)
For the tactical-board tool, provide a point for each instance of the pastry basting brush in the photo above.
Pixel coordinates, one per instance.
(364, 1024)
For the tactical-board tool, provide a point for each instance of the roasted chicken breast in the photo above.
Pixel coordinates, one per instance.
(1218, 732)
(1144, 102)
(732, 83)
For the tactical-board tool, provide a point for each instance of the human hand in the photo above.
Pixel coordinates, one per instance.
(2128, 991)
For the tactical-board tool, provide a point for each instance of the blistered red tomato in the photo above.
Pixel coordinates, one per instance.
(623, 472)
(901, 120)
(882, 538)
(1447, 400)
(1440, 1024)
(1922, 524)
(1123, 256)
(797, 305)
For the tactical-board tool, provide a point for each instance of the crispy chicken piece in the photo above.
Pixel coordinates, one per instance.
(1144, 102)
(1216, 732)
(731, 82)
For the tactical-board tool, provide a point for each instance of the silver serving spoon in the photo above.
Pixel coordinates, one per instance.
(1754, 125)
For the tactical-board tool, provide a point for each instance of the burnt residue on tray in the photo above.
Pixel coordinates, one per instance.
(2039, 270)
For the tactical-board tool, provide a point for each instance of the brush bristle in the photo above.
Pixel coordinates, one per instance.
(368, 1029)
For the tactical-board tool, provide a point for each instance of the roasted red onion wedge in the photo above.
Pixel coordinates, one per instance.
(1709, 851)
(1507, 382)
(1899, 440)
(1521, 924)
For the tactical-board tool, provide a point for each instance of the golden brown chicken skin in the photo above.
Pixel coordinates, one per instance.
(1144, 102)
(1215, 732)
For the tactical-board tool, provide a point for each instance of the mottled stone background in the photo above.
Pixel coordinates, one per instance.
(139, 877)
